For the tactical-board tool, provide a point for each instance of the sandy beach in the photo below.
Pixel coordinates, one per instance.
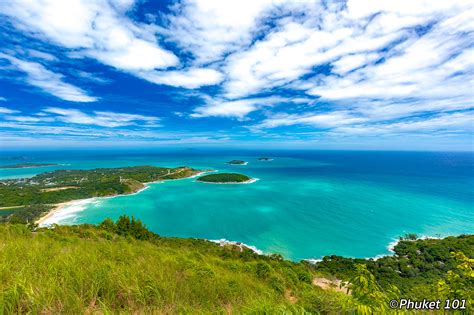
(57, 208)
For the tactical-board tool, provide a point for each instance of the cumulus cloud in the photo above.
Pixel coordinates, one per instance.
(210, 29)
(362, 51)
(48, 81)
(94, 28)
(101, 30)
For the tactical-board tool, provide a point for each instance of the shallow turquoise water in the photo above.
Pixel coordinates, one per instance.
(305, 204)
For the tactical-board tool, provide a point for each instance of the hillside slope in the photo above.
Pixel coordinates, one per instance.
(123, 267)
(77, 269)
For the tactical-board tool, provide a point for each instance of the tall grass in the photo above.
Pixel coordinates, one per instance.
(85, 269)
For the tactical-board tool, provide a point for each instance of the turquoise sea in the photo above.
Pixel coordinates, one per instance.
(306, 204)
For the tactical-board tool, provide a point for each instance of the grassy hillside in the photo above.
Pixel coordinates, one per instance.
(123, 267)
(78, 269)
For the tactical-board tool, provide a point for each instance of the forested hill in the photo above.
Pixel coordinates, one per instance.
(418, 267)
(121, 267)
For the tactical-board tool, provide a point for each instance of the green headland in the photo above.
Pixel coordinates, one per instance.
(37, 195)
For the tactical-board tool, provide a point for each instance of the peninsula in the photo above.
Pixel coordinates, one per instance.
(43, 192)
(237, 162)
(226, 178)
(28, 165)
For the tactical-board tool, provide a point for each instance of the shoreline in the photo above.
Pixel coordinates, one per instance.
(223, 242)
(57, 208)
(201, 173)
(390, 247)
(60, 206)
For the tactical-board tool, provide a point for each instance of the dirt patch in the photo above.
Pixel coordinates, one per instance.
(327, 284)
(293, 299)
(58, 188)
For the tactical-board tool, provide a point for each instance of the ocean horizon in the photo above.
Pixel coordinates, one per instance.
(305, 205)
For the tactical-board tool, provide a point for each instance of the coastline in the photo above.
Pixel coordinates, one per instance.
(223, 242)
(390, 247)
(200, 174)
(43, 221)
(58, 208)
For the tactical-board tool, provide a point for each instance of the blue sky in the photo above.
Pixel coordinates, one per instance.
(315, 75)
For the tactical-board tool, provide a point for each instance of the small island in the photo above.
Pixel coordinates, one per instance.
(265, 159)
(237, 162)
(28, 165)
(226, 178)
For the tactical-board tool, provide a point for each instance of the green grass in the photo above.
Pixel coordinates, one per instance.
(124, 268)
(224, 178)
(88, 269)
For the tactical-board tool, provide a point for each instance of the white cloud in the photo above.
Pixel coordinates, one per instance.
(190, 78)
(41, 55)
(368, 62)
(48, 81)
(461, 122)
(100, 118)
(210, 29)
(350, 62)
(233, 108)
(320, 120)
(4, 110)
(95, 29)
(27, 119)
(101, 30)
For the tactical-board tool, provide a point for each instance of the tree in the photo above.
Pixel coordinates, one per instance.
(369, 296)
(459, 282)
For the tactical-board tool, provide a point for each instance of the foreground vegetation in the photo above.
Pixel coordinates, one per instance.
(122, 267)
(224, 178)
(419, 268)
(39, 193)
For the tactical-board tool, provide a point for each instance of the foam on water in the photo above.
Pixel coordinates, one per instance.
(68, 212)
